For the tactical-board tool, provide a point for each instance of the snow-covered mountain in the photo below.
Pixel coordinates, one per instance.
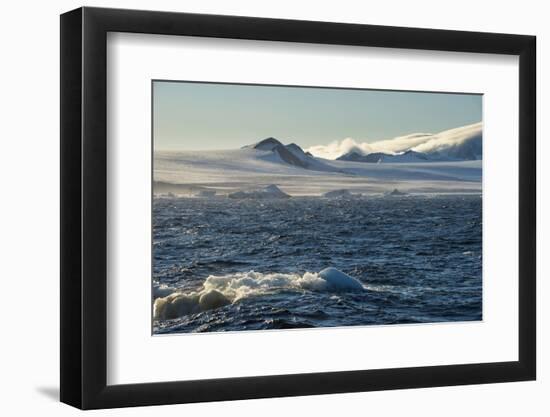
(459, 144)
(270, 169)
(290, 154)
(378, 157)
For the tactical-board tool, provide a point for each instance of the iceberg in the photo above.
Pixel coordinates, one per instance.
(271, 191)
(338, 194)
(205, 193)
(337, 280)
(395, 193)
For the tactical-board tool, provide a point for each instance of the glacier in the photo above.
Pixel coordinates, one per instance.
(270, 169)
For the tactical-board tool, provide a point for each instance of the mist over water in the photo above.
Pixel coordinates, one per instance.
(254, 264)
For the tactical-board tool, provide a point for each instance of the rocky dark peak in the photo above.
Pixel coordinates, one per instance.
(289, 157)
(351, 156)
(291, 154)
(267, 144)
(416, 154)
(294, 147)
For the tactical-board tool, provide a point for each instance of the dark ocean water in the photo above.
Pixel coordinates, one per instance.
(418, 257)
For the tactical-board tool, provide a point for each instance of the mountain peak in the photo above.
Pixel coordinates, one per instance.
(294, 146)
(267, 144)
(352, 155)
(291, 154)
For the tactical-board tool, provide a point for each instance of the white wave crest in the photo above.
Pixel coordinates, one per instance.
(222, 290)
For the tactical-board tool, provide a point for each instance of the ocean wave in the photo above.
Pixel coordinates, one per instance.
(219, 291)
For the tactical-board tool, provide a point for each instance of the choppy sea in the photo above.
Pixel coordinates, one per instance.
(226, 265)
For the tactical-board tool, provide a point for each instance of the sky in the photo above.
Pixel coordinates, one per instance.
(207, 116)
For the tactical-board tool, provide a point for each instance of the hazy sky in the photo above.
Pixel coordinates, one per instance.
(195, 116)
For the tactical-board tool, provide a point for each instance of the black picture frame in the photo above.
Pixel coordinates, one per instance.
(84, 207)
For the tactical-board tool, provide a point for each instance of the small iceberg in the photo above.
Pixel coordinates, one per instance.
(337, 280)
(269, 192)
(205, 193)
(338, 194)
(395, 193)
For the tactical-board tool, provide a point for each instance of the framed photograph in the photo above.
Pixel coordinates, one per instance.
(258, 207)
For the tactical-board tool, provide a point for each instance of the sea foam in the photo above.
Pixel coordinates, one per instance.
(218, 291)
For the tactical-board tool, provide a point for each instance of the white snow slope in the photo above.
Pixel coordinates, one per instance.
(241, 169)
